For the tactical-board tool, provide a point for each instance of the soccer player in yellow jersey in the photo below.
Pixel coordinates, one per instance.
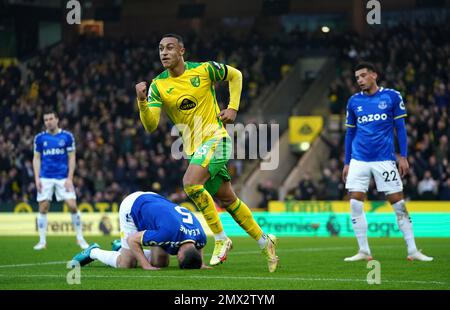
(185, 90)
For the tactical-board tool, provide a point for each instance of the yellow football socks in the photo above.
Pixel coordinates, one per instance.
(205, 203)
(243, 216)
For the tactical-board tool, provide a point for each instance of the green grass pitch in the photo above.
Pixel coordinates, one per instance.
(305, 263)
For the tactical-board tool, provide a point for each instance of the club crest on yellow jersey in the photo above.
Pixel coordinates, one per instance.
(195, 81)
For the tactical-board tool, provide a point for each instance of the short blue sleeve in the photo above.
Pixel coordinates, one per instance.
(398, 105)
(155, 237)
(37, 144)
(350, 118)
(70, 147)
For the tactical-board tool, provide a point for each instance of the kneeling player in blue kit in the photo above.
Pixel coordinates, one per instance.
(148, 219)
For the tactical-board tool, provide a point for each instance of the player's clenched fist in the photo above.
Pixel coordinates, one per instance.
(141, 91)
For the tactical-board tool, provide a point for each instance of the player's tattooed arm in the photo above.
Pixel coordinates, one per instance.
(134, 241)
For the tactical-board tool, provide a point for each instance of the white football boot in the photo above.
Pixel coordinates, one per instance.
(269, 252)
(40, 246)
(420, 257)
(220, 253)
(358, 257)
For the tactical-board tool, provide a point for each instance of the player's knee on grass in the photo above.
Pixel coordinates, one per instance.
(189, 257)
(159, 257)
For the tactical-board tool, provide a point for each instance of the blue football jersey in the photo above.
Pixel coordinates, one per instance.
(165, 223)
(373, 116)
(54, 151)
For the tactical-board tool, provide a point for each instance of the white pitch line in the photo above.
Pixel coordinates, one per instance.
(233, 253)
(224, 278)
(33, 264)
(311, 250)
(321, 249)
(296, 250)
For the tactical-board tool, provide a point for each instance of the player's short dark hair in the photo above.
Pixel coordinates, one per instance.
(50, 111)
(174, 35)
(191, 260)
(366, 65)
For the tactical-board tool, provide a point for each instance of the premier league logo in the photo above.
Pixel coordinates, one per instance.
(382, 105)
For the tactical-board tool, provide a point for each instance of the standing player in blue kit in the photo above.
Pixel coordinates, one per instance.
(54, 166)
(372, 115)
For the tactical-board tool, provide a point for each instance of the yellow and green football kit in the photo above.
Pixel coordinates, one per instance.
(190, 103)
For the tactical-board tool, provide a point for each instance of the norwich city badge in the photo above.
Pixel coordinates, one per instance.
(195, 81)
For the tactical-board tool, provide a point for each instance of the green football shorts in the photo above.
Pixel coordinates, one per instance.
(214, 154)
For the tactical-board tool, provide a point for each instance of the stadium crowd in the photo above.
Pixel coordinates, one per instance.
(90, 84)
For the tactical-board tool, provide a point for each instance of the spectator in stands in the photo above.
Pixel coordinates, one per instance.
(441, 96)
(331, 185)
(444, 191)
(428, 187)
(307, 188)
(410, 188)
(268, 192)
(435, 168)
(336, 97)
(442, 151)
